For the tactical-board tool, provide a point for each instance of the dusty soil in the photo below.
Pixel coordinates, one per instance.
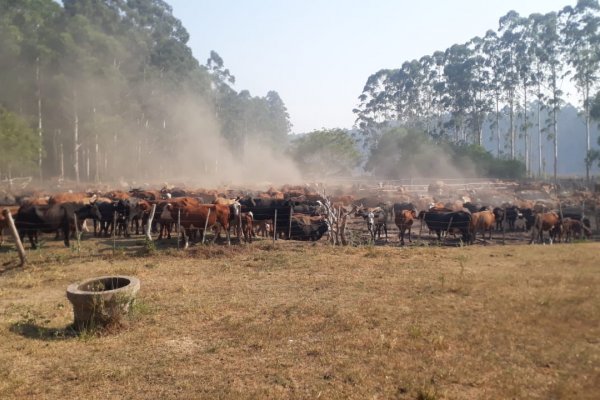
(301, 320)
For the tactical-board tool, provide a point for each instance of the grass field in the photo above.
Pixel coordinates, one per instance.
(307, 321)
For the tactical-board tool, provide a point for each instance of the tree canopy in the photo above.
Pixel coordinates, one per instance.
(452, 93)
(113, 89)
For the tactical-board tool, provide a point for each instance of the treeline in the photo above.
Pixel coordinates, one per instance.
(110, 89)
(518, 71)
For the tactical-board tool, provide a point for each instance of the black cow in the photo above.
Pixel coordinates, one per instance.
(307, 228)
(511, 213)
(132, 211)
(306, 207)
(499, 215)
(107, 210)
(529, 217)
(264, 209)
(446, 221)
(32, 219)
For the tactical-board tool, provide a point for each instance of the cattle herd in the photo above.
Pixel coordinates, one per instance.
(465, 216)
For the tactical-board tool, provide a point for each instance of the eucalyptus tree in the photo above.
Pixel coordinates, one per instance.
(480, 84)
(490, 46)
(551, 55)
(582, 43)
(510, 39)
(459, 95)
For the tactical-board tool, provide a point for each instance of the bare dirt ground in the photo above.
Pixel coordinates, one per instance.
(306, 321)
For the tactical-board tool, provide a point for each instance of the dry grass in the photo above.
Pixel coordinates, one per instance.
(304, 321)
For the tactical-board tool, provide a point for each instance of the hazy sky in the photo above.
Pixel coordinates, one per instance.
(318, 54)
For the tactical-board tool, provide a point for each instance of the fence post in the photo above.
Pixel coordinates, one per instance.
(178, 226)
(290, 227)
(15, 235)
(205, 226)
(275, 227)
(114, 232)
(149, 223)
(76, 233)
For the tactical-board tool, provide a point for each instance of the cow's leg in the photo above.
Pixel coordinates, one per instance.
(32, 239)
(186, 239)
(410, 234)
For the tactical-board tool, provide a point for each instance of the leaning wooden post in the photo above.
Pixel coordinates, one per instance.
(205, 226)
(275, 227)
(15, 235)
(290, 226)
(149, 223)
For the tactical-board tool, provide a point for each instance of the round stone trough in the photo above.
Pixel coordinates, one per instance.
(102, 301)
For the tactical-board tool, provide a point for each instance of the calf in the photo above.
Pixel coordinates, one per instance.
(376, 221)
(574, 228)
(404, 221)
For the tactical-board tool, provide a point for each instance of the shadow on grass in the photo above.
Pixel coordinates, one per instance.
(32, 330)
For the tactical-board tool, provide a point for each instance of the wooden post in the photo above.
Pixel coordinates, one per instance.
(290, 227)
(422, 221)
(504, 227)
(275, 227)
(205, 226)
(448, 229)
(114, 232)
(240, 233)
(15, 235)
(76, 232)
(178, 226)
(149, 223)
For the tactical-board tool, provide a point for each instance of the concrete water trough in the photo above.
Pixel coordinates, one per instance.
(102, 301)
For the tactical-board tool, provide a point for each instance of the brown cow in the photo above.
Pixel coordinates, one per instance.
(482, 221)
(548, 221)
(165, 218)
(247, 226)
(404, 221)
(192, 216)
(574, 228)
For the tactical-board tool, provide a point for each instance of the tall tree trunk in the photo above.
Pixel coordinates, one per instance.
(87, 163)
(75, 139)
(497, 126)
(62, 162)
(39, 112)
(586, 110)
(96, 160)
(555, 124)
(539, 123)
(512, 128)
(526, 133)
